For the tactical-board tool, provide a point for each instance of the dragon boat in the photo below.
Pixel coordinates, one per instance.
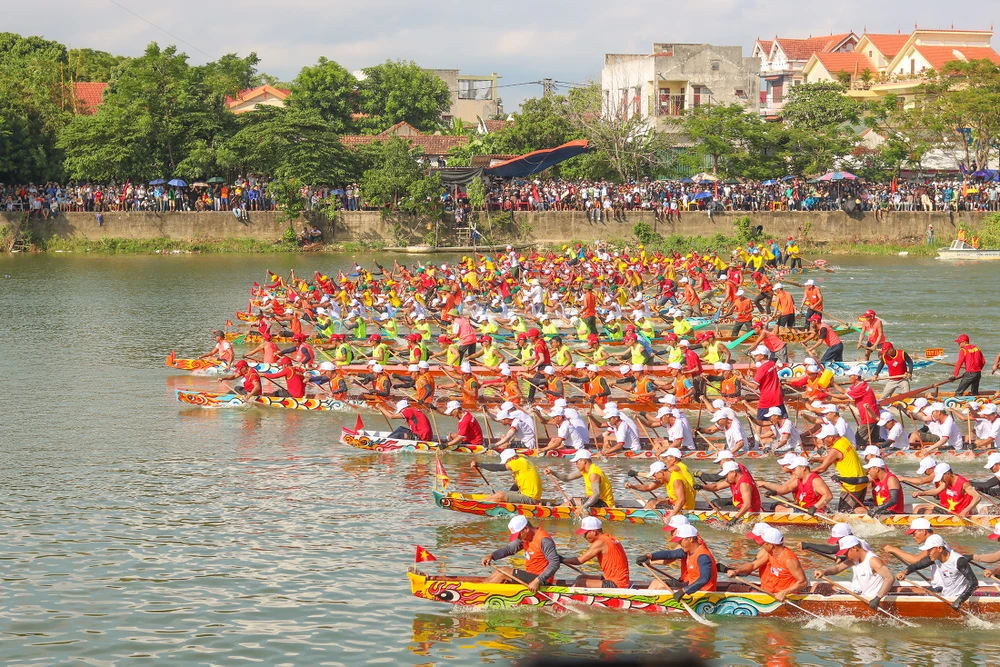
(732, 599)
(206, 399)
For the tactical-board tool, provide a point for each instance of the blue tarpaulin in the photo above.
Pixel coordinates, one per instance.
(538, 161)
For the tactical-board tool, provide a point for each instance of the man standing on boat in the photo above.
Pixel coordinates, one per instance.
(527, 488)
(824, 333)
(872, 334)
(609, 554)
(871, 578)
(972, 358)
(850, 472)
(900, 367)
(541, 560)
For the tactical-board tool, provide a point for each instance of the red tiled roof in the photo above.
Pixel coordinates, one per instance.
(888, 43)
(496, 125)
(802, 49)
(432, 144)
(765, 45)
(88, 96)
(937, 56)
(250, 93)
(845, 62)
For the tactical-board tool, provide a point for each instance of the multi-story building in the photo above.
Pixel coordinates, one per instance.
(472, 96)
(674, 78)
(782, 60)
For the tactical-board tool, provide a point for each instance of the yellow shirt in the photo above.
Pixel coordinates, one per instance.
(687, 480)
(604, 491)
(849, 465)
(526, 477)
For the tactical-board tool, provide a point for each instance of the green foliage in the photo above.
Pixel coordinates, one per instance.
(737, 143)
(989, 232)
(476, 192)
(744, 230)
(287, 194)
(818, 119)
(401, 91)
(542, 122)
(328, 89)
(423, 196)
(92, 65)
(392, 173)
(645, 233)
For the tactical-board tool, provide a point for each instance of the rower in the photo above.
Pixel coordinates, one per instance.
(388, 325)
(920, 529)
(850, 473)
(567, 434)
(699, 571)
(745, 495)
(987, 425)
(267, 349)
(489, 353)
(726, 422)
(955, 493)
(742, 310)
(824, 333)
(521, 428)
(987, 559)
(223, 350)
(832, 417)
(892, 432)
(541, 558)
(540, 359)
(768, 385)
(675, 479)
(783, 432)
(716, 351)
(343, 354)
(251, 380)
(812, 299)
(301, 353)
(469, 432)
(942, 425)
(423, 384)
(731, 384)
(595, 386)
(866, 406)
(766, 292)
(811, 492)
(899, 365)
(625, 434)
(380, 350)
(380, 381)
(609, 554)
(295, 386)
(786, 310)
(781, 573)
(678, 429)
(468, 383)
(950, 569)
(972, 358)
(870, 578)
(887, 493)
(838, 531)
(991, 485)
(777, 349)
(418, 427)
(527, 488)
(595, 482)
(336, 385)
(871, 335)
(449, 353)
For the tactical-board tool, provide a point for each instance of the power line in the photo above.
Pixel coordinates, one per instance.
(164, 31)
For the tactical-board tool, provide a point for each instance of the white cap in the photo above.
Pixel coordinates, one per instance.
(560, 403)
(419, 317)
(669, 399)
(817, 405)
(507, 455)
(327, 366)
(730, 466)
(810, 282)
(684, 342)
(684, 531)
(773, 412)
(786, 460)
(884, 418)
(723, 455)
(675, 365)
(799, 462)
(931, 542)
(655, 467)
(920, 523)
(674, 452)
(841, 530)
(611, 405)
(989, 409)
(809, 361)
(589, 523)
(847, 542)
(760, 350)
(466, 367)
(740, 292)
(423, 365)
(871, 450)
(402, 405)
(544, 317)
(625, 369)
(581, 455)
(517, 524)
(506, 371)
(772, 535)
(778, 286)
(451, 407)
(719, 415)
(854, 370)
(412, 368)
(718, 404)
(506, 406)
(940, 470)
(610, 413)
(637, 368)
(377, 368)
(826, 431)
(874, 463)
(812, 368)
(926, 464)
(938, 407)
(557, 411)
(593, 368)
(919, 403)
(549, 370)
(664, 411)
(992, 459)
(830, 408)
(581, 365)
(678, 520)
(383, 317)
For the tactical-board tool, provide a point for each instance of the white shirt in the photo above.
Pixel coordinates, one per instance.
(688, 435)
(947, 576)
(844, 429)
(866, 581)
(988, 430)
(628, 436)
(736, 439)
(573, 417)
(788, 428)
(949, 429)
(537, 294)
(525, 427)
(676, 432)
(896, 436)
(570, 435)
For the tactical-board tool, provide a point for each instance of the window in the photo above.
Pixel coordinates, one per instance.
(716, 65)
(913, 66)
(740, 93)
(696, 96)
(475, 89)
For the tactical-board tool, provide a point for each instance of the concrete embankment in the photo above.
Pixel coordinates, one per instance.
(550, 227)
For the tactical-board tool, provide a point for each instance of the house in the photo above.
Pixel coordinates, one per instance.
(87, 96)
(435, 147)
(899, 64)
(250, 99)
(472, 96)
(782, 61)
(673, 78)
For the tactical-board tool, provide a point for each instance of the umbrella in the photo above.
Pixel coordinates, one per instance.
(177, 183)
(157, 181)
(199, 184)
(789, 178)
(770, 182)
(216, 179)
(838, 176)
(686, 180)
(703, 195)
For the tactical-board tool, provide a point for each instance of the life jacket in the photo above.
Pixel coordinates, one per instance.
(776, 575)
(470, 386)
(895, 364)
(491, 358)
(687, 481)
(343, 355)
(614, 562)
(534, 560)
(424, 386)
(881, 493)
(954, 497)
(739, 500)
(805, 494)
(689, 567)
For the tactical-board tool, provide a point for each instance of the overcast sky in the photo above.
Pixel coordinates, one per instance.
(522, 41)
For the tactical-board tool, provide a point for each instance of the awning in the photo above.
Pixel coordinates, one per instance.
(538, 161)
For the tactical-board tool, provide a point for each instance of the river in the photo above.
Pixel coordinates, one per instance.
(133, 527)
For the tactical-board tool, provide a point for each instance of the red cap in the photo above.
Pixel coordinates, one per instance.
(756, 538)
(758, 325)
(630, 327)
(670, 335)
(676, 539)
(815, 317)
(521, 337)
(834, 540)
(669, 528)
(485, 339)
(756, 274)
(444, 339)
(285, 361)
(299, 337)
(592, 338)
(375, 338)
(630, 337)
(241, 364)
(413, 337)
(886, 346)
(964, 338)
(709, 334)
(533, 333)
(869, 313)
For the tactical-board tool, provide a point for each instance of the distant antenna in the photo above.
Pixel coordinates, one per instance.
(547, 87)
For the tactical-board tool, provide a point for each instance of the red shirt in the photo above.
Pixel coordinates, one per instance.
(418, 423)
(589, 304)
(972, 357)
(863, 396)
(542, 353)
(766, 378)
(692, 362)
(469, 429)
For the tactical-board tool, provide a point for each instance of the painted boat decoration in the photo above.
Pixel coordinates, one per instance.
(206, 399)
(471, 503)
(732, 599)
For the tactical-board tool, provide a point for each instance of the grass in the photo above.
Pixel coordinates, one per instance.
(877, 249)
(121, 246)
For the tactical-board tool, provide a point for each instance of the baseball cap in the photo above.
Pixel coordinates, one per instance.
(772, 535)
(412, 368)
(995, 535)
(507, 455)
(830, 408)
(919, 403)
(846, 543)
(838, 532)
(964, 338)
(989, 409)
(926, 464)
(451, 407)
(810, 282)
(516, 525)
(669, 399)
(799, 462)
(940, 470)
(785, 461)
(874, 463)
(466, 367)
(655, 467)
(773, 412)
(506, 406)
(581, 455)
(724, 455)
(827, 431)
(919, 523)
(676, 521)
(756, 532)
(760, 350)
(854, 370)
(557, 412)
(674, 452)
(377, 368)
(884, 418)
(931, 542)
(625, 369)
(778, 286)
(402, 405)
(588, 523)
(502, 415)
(719, 415)
(992, 460)
(730, 466)
(664, 411)
(593, 368)
(684, 532)
(871, 450)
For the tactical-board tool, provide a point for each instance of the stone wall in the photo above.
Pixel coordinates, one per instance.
(551, 227)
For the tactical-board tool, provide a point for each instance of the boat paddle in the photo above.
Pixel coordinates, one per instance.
(569, 502)
(757, 588)
(515, 580)
(810, 511)
(899, 397)
(942, 507)
(480, 471)
(940, 598)
(868, 602)
(691, 612)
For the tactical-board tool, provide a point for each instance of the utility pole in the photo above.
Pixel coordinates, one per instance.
(547, 87)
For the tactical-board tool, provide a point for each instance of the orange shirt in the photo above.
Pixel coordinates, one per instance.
(786, 304)
(776, 575)
(690, 572)
(614, 562)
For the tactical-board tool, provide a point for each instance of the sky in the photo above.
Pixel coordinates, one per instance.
(521, 41)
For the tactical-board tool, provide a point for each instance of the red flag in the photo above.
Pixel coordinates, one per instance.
(423, 555)
(440, 475)
(229, 323)
(128, 182)
(359, 425)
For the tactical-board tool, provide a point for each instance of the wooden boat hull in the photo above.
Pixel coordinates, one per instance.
(207, 399)
(733, 600)
(469, 503)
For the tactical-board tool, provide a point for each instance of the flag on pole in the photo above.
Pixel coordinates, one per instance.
(440, 476)
(359, 425)
(229, 323)
(423, 555)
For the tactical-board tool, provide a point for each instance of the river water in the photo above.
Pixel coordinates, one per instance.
(134, 528)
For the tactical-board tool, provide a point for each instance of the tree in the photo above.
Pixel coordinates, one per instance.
(327, 88)
(401, 91)
(393, 173)
(92, 65)
(819, 119)
(542, 122)
(725, 134)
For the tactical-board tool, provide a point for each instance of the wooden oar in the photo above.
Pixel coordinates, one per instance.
(779, 499)
(708, 442)
(566, 497)
(515, 580)
(951, 512)
(480, 471)
(899, 397)
(819, 618)
(866, 601)
(691, 612)
(941, 598)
